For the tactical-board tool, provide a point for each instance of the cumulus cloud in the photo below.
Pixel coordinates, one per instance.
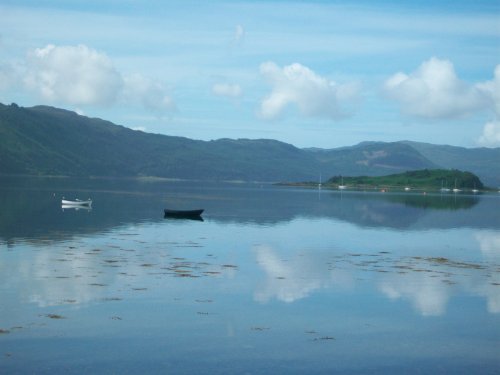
(435, 91)
(76, 75)
(313, 95)
(491, 131)
(6, 76)
(150, 93)
(227, 90)
(492, 89)
(81, 76)
(491, 134)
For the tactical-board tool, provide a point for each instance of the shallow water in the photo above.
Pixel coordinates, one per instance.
(274, 280)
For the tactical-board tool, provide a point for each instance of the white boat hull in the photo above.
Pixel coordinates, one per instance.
(76, 202)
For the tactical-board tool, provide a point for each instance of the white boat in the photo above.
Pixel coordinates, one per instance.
(76, 202)
(443, 189)
(455, 189)
(342, 186)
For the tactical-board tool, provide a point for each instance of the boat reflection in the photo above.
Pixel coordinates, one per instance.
(73, 207)
(180, 218)
(30, 214)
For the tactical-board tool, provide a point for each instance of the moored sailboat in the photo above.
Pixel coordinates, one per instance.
(443, 189)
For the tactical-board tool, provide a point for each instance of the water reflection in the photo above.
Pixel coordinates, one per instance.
(112, 267)
(489, 243)
(271, 275)
(34, 216)
(428, 296)
(77, 274)
(434, 201)
(289, 280)
(31, 212)
(75, 207)
(427, 283)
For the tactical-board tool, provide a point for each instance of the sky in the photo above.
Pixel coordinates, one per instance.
(311, 73)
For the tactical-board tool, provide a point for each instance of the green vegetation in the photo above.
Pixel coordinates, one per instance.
(435, 201)
(47, 141)
(431, 179)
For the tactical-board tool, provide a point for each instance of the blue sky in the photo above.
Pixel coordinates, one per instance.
(311, 73)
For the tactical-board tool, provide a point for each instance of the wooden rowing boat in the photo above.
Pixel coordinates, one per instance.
(183, 213)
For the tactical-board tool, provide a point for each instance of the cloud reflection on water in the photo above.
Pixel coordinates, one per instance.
(289, 280)
(428, 283)
(429, 296)
(51, 278)
(74, 272)
(489, 244)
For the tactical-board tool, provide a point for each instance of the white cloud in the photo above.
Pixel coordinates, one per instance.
(82, 76)
(491, 130)
(76, 75)
(227, 90)
(492, 89)
(151, 94)
(491, 134)
(239, 34)
(7, 75)
(435, 91)
(313, 95)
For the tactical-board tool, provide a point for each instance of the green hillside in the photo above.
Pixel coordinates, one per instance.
(485, 162)
(44, 140)
(372, 158)
(49, 141)
(433, 179)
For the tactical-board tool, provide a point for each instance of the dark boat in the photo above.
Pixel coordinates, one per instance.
(183, 214)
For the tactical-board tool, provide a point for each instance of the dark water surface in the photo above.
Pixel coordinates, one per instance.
(273, 281)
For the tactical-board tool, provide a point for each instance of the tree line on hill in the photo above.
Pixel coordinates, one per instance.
(43, 140)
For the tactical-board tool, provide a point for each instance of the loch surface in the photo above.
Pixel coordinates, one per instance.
(273, 280)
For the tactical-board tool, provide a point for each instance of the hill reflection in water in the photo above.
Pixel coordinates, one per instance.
(270, 274)
(31, 208)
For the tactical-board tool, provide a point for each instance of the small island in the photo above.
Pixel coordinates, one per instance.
(444, 180)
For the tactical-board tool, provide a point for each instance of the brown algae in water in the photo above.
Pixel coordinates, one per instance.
(55, 316)
(260, 329)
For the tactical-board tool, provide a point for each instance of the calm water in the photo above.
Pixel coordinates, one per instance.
(273, 281)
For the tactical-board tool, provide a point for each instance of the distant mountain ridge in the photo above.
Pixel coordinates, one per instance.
(43, 140)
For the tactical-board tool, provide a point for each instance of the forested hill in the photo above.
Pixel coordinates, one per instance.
(434, 179)
(44, 140)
